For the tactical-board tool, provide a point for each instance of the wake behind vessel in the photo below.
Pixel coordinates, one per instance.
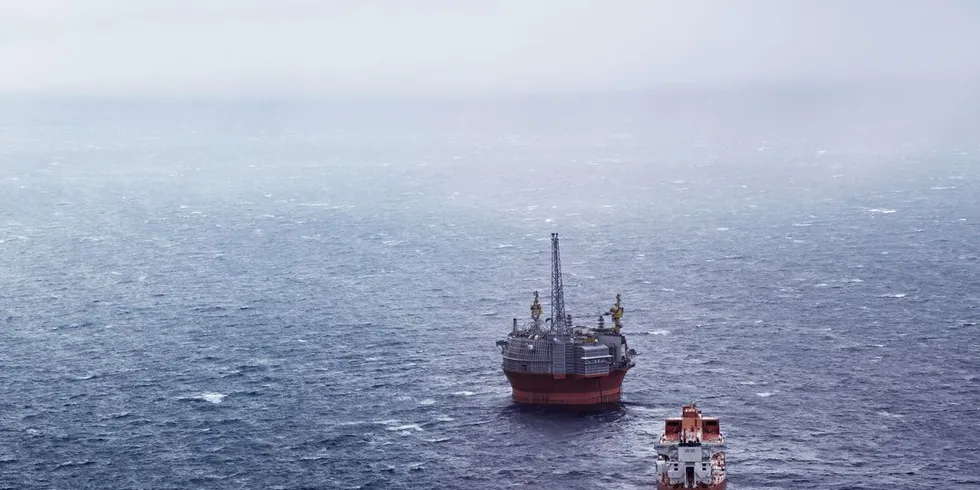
(553, 362)
(689, 453)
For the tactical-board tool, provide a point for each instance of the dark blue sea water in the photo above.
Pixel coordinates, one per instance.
(306, 295)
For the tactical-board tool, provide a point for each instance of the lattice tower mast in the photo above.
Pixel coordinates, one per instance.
(560, 323)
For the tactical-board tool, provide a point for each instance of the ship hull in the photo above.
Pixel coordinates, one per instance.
(572, 389)
(715, 486)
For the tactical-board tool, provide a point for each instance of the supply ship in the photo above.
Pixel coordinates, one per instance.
(689, 453)
(552, 362)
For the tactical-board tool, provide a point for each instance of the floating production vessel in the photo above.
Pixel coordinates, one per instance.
(689, 453)
(552, 362)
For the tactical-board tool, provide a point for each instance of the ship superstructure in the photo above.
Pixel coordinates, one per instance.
(689, 454)
(552, 361)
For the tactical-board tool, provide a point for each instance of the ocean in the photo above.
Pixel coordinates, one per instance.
(306, 294)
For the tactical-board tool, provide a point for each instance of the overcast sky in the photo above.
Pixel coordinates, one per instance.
(243, 47)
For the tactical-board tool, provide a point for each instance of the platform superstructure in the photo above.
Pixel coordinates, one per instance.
(554, 362)
(689, 453)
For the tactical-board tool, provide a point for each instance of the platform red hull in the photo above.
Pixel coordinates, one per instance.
(573, 389)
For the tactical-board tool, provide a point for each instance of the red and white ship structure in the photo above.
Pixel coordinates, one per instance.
(689, 454)
(554, 362)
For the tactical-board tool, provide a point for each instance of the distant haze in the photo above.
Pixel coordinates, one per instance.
(249, 47)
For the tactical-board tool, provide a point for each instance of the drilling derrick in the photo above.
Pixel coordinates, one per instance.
(561, 324)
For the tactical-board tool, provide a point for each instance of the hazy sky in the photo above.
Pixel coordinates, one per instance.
(241, 47)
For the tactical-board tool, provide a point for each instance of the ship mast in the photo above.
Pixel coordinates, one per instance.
(560, 323)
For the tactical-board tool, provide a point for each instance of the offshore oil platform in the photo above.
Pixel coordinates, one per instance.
(554, 362)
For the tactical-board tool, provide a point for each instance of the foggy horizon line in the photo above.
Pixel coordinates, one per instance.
(734, 87)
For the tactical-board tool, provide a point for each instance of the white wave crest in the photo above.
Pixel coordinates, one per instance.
(213, 397)
(891, 415)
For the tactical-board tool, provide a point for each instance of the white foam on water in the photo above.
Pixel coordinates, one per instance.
(764, 394)
(882, 211)
(890, 415)
(722, 229)
(659, 332)
(406, 427)
(213, 397)
(464, 393)
(427, 402)
(893, 295)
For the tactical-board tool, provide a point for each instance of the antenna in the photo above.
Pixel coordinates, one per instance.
(560, 323)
